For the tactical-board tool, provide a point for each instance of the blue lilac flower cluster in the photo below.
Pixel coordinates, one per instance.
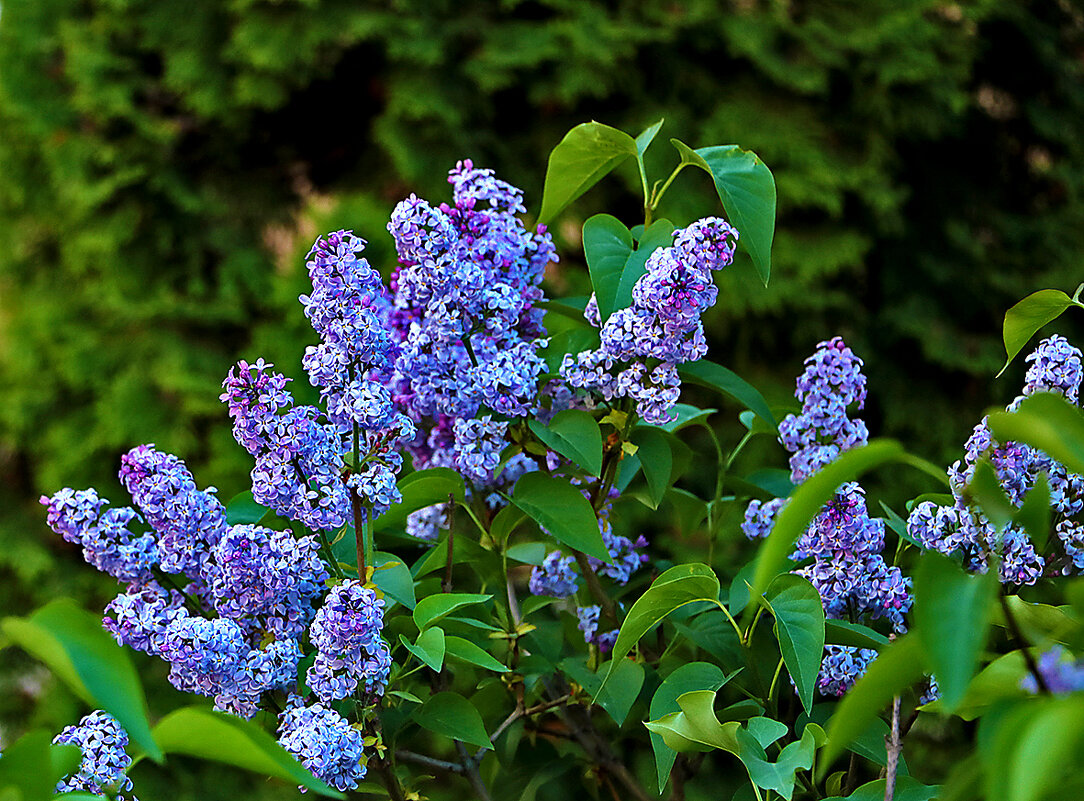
(843, 541)
(350, 653)
(558, 577)
(663, 323)
(324, 742)
(1056, 366)
(1061, 673)
(102, 770)
(467, 330)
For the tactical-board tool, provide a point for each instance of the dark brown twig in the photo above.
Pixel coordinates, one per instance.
(1025, 648)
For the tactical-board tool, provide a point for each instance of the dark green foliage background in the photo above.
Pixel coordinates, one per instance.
(164, 167)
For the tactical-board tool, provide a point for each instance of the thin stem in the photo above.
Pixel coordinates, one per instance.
(775, 680)
(471, 769)
(1025, 648)
(893, 746)
(600, 596)
(446, 584)
(748, 636)
(656, 197)
(391, 781)
(429, 762)
(333, 563)
(367, 534)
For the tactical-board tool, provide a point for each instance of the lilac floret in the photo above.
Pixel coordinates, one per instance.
(324, 742)
(555, 576)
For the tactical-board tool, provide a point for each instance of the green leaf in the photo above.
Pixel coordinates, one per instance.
(201, 732)
(799, 627)
(81, 653)
(951, 618)
(1033, 748)
(646, 137)
(1046, 421)
(1028, 316)
(607, 245)
(429, 647)
(686, 415)
(687, 678)
(586, 155)
(420, 489)
(575, 435)
(663, 458)
(562, 511)
(393, 578)
(998, 681)
(695, 727)
(660, 234)
(896, 668)
(807, 501)
(779, 775)
(843, 632)
(619, 694)
(529, 553)
(907, 789)
(32, 765)
(1035, 513)
(451, 715)
(474, 654)
(677, 587)
(434, 607)
(746, 188)
(715, 376)
(243, 509)
(985, 490)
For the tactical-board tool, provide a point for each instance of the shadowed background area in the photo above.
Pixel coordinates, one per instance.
(167, 165)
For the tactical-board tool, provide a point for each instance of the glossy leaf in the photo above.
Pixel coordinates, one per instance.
(607, 244)
(660, 234)
(646, 137)
(715, 376)
(574, 434)
(799, 627)
(695, 727)
(81, 653)
(451, 715)
(243, 509)
(562, 511)
(619, 693)
(393, 578)
(686, 415)
(778, 775)
(677, 587)
(895, 669)
(420, 489)
(663, 458)
(807, 501)
(529, 553)
(951, 618)
(746, 188)
(216, 736)
(1035, 513)
(998, 681)
(32, 765)
(1028, 316)
(586, 154)
(468, 651)
(687, 678)
(434, 607)
(907, 789)
(985, 490)
(430, 647)
(843, 632)
(1032, 749)
(1046, 421)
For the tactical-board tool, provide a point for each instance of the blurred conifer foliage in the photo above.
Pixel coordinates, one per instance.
(166, 165)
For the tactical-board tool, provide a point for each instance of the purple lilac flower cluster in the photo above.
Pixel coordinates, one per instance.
(350, 653)
(843, 541)
(1056, 366)
(324, 742)
(662, 323)
(1061, 673)
(588, 623)
(103, 769)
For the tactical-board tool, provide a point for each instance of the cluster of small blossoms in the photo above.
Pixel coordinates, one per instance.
(1061, 673)
(350, 653)
(662, 323)
(1056, 366)
(844, 542)
(557, 576)
(348, 309)
(324, 742)
(102, 771)
(467, 331)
